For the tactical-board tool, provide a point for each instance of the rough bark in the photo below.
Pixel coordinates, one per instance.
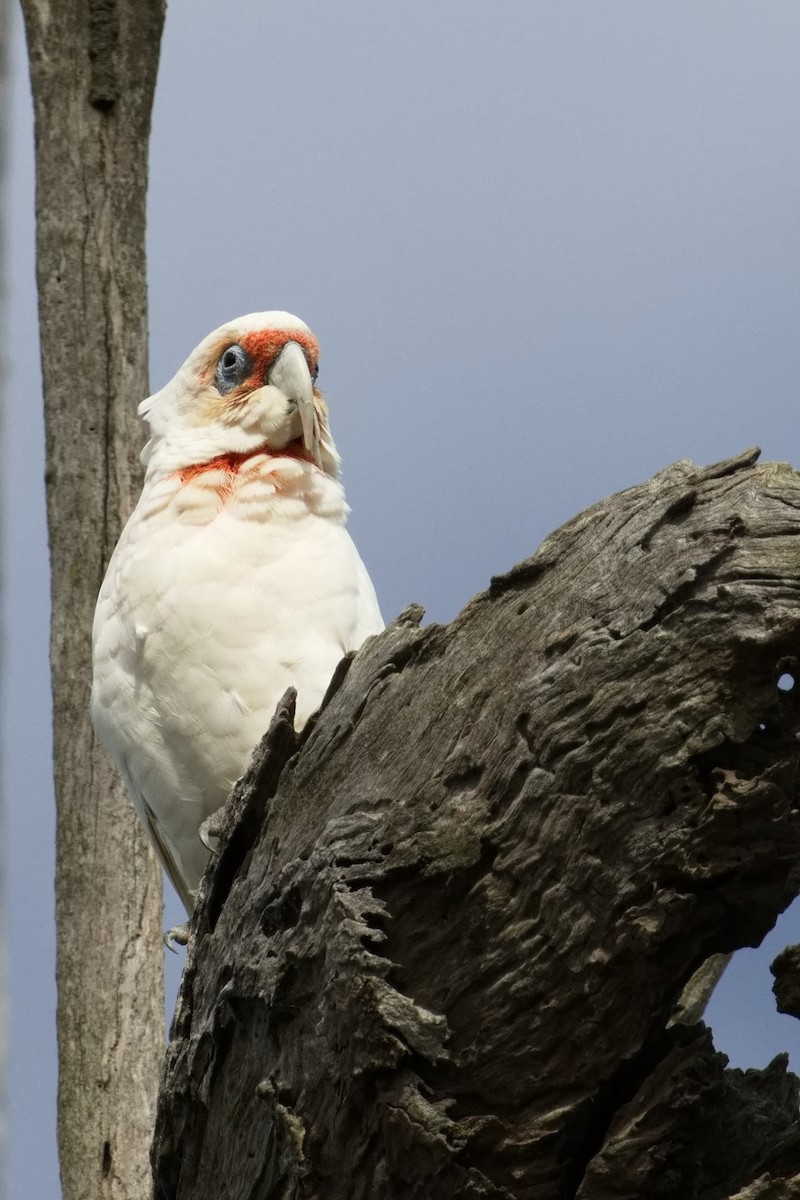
(4, 89)
(93, 69)
(438, 950)
(786, 969)
(699, 990)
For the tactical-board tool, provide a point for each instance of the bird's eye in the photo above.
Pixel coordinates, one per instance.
(315, 373)
(232, 369)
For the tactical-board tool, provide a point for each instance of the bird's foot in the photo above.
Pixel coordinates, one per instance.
(178, 935)
(211, 829)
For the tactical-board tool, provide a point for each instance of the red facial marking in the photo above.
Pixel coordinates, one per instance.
(265, 346)
(232, 463)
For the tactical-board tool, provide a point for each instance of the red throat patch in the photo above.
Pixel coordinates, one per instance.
(233, 462)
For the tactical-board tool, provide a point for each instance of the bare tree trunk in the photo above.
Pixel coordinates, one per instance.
(447, 926)
(4, 89)
(93, 70)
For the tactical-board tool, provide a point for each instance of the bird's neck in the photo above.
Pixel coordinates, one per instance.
(259, 484)
(232, 462)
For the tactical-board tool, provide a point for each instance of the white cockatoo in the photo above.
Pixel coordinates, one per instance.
(234, 579)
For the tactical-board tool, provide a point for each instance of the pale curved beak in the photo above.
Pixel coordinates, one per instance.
(290, 373)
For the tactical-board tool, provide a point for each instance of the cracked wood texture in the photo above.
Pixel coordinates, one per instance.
(5, 31)
(93, 70)
(446, 927)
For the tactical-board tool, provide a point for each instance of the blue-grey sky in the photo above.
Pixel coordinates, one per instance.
(547, 249)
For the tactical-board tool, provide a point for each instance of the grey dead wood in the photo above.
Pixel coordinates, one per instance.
(698, 991)
(446, 927)
(93, 69)
(786, 969)
(4, 90)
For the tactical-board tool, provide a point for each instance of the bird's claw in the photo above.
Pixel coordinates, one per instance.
(179, 935)
(211, 829)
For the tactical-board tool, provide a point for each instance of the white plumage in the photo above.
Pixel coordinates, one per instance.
(234, 579)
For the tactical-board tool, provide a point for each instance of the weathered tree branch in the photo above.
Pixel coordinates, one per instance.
(447, 926)
(786, 969)
(93, 71)
(5, 13)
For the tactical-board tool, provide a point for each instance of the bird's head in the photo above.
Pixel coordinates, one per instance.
(250, 384)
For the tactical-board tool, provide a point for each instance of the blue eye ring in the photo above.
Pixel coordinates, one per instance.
(233, 368)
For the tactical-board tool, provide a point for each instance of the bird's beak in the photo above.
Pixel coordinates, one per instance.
(290, 373)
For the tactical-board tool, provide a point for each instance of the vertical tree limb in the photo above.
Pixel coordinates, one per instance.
(4, 89)
(93, 72)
